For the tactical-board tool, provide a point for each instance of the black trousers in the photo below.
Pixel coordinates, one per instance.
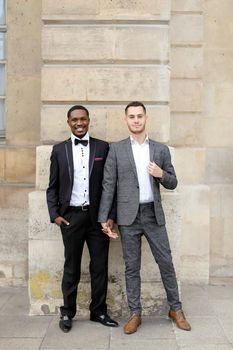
(74, 236)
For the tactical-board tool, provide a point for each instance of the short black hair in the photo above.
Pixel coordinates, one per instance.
(135, 104)
(77, 107)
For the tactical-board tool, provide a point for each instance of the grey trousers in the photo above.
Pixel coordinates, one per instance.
(145, 224)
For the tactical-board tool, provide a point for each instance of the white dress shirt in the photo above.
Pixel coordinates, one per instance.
(80, 191)
(141, 153)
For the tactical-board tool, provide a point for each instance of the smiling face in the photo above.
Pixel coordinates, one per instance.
(136, 119)
(78, 122)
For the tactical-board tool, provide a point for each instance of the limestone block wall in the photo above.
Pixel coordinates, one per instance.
(186, 135)
(175, 55)
(102, 54)
(18, 149)
(218, 131)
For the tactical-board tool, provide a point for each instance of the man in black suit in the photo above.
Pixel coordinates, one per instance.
(73, 197)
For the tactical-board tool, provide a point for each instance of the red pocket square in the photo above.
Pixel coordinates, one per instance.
(99, 158)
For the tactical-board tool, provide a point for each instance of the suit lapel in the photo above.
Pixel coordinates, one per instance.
(130, 155)
(152, 151)
(92, 155)
(69, 158)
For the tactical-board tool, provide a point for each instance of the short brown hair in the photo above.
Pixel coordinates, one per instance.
(135, 104)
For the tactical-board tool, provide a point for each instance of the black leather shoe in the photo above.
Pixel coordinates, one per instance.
(65, 323)
(104, 319)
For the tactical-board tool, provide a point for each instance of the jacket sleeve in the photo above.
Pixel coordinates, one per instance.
(53, 188)
(169, 180)
(107, 207)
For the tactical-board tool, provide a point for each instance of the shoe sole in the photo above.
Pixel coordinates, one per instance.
(104, 324)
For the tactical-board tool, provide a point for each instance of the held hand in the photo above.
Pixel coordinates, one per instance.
(155, 170)
(108, 230)
(59, 220)
(110, 223)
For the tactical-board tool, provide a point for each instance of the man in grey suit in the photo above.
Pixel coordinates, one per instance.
(134, 170)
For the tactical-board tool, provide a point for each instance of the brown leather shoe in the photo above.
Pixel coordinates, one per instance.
(180, 320)
(132, 324)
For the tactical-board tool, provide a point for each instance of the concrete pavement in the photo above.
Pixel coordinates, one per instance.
(209, 309)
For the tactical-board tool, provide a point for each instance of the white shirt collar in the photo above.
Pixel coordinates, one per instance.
(85, 137)
(133, 141)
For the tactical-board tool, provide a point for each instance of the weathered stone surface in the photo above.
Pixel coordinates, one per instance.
(186, 62)
(23, 52)
(13, 236)
(2, 164)
(187, 5)
(221, 201)
(218, 24)
(186, 29)
(23, 118)
(51, 7)
(43, 154)
(190, 165)
(217, 132)
(105, 43)
(217, 100)
(103, 9)
(39, 221)
(186, 129)
(195, 228)
(216, 62)
(186, 95)
(20, 164)
(105, 83)
(155, 8)
(14, 196)
(219, 166)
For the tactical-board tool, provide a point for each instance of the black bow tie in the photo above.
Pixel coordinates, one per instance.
(83, 142)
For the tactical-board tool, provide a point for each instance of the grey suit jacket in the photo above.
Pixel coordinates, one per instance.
(120, 181)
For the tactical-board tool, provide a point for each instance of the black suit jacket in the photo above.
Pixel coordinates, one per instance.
(61, 178)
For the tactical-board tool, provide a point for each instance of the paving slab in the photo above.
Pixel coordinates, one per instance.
(209, 309)
(198, 306)
(152, 344)
(205, 331)
(151, 328)
(220, 292)
(20, 343)
(223, 307)
(208, 347)
(227, 325)
(23, 326)
(4, 297)
(85, 335)
(190, 291)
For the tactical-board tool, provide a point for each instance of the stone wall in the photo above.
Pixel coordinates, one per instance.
(103, 55)
(18, 150)
(187, 37)
(217, 132)
(174, 55)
